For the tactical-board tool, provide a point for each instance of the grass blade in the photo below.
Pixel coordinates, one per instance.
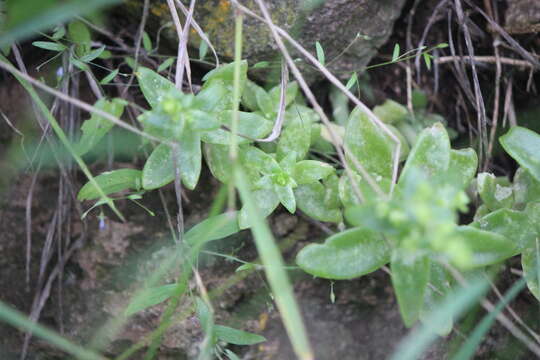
(20, 321)
(455, 304)
(275, 271)
(469, 347)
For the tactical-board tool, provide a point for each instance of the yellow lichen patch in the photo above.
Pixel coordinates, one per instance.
(159, 10)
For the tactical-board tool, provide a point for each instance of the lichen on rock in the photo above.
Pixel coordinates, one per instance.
(350, 31)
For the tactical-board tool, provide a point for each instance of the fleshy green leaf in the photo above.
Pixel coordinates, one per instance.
(290, 94)
(524, 146)
(410, 277)
(441, 280)
(214, 98)
(286, 197)
(95, 128)
(150, 297)
(526, 187)
(391, 112)
(309, 171)
(493, 191)
(514, 225)
(236, 337)
(218, 161)
(430, 154)
(250, 126)
(267, 202)
(111, 182)
(487, 247)
(213, 228)
(159, 169)
(190, 159)
(462, 167)
(369, 144)
(225, 73)
(346, 255)
(310, 198)
(153, 86)
(256, 159)
(249, 96)
(530, 261)
(294, 139)
(348, 196)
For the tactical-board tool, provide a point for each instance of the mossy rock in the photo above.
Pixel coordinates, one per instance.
(350, 31)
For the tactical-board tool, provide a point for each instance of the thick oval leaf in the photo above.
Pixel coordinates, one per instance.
(430, 154)
(249, 96)
(462, 167)
(251, 126)
(254, 158)
(487, 247)
(530, 261)
(524, 146)
(369, 144)
(267, 202)
(150, 297)
(526, 188)
(533, 212)
(218, 161)
(225, 74)
(310, 198)
(95, 128)
(346, 255)
(295, 139)
(290, 94)
(434, 297)
(514, 225)
(213, 228)
(153, 85)
(391, 112)
(309, 171)
(111, 182)
(236, 337)
(493, 191)
(214, 98)
(190, 159)
(286, 197)
(410, 277)
(159, 169)
(348, 196)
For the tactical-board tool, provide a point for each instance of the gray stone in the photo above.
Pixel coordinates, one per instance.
(350, 31)
(523, 16)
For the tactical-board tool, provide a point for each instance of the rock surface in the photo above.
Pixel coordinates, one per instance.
(523, 16)
(350, 31)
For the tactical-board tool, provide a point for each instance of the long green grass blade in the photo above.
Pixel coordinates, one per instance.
(20, 321)
(275, 271)
(469, 347)
(455, 304)
(56, 12)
